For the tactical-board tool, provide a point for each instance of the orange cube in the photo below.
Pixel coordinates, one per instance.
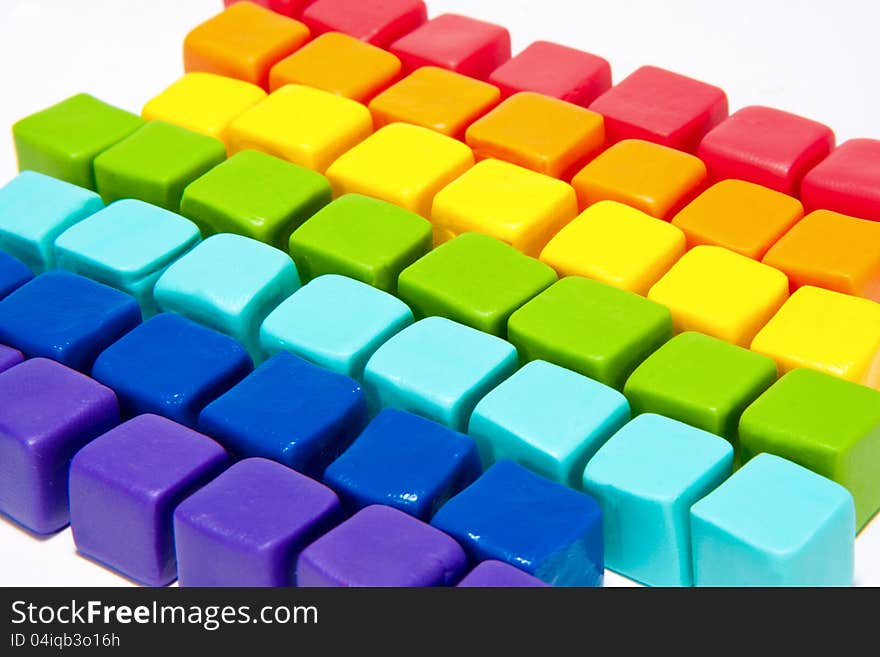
(540, 133)
(243, 42)
(652, 178)
(435, 98)
(740, 216)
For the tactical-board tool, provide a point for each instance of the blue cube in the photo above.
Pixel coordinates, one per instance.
(646, 478)
(290, 411)
(335, 322)
(66, 317)
(511, 514)
(13, 274)
(171, 366)
(405, 461)
(549, 419)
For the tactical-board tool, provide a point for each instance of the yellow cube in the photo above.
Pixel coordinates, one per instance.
(721, 293)
(402, 164)
(510, 203)
(826, 331)
(306, 126)
(203, 102)
(616, 244)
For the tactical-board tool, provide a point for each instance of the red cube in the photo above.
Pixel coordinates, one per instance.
(847, 181)
(379, 22)
(292, 8)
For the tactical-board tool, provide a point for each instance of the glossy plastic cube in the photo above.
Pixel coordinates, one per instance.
(379, 22)
(847, 181)
(13, 274)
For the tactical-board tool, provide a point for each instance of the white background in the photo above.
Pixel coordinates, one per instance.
(815, 58)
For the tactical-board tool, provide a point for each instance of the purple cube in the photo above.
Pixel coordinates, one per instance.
(47, 413)
(9, 357)
(247, 527)
(497, 574)
(124, 487)
(381, 546)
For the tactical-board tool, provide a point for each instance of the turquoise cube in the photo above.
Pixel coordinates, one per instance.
(774, 523)
(548, 419)
(646, 478)
(34, 210)
(127, 246)
(335, 322)
(438, 369)
(229, 283)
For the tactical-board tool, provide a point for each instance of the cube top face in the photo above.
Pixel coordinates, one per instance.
(847, 181)
(63, 140)
(740, 216)
(720, 293)
(496, 574)
(306, 126)
(381, 546)
(541, 133)
(591, 328)
(435, 98)
(473, 279)
(378, 22)
(257, 196)
(554, 70)
(339, 64)
(34, 210)
(458, 43)
(360, 237)
(402, 164)
(833, 251)
(291, 8)
(242, 42)
(9, 357)
(615, 244)
(13, 274)
(660, 106)
(649, 177)
(766, 146)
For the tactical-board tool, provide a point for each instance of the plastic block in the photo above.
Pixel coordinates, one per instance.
(13, 274)
(826, 331)
(172, 367)
(720, 293)
(457, 43)
(847, 181)
(9, 357)
(229, 283)
(475, 280)
(127, 246)
(543, 134)
(291, 8)
(766, 146)
(242, 529)
(155, 164)
(339, 64)
(243, 42)
(404, 461)
(402, 164)
(663, 107)
(66, 317)
(649, 177)
(63, 140)
(589, 327)
(379, 22)
(646, 478)
(47, 412)
(615, 244)
(335, 322)
(360, 237)
(774, 523)
(520, 420)
(435, 98)
(512, 515)
(740, 216)
(255, 195)
(831, 250)
(34, 210)
(124, 487)
(556, 71)
(822, 423)
(381, 547)
(439, 369)
(497, 574)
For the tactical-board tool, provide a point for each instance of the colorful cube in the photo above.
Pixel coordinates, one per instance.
(497, 574)
(847, 181)
(9, 357)
(292, 8)
(13, 274)
(379, 22)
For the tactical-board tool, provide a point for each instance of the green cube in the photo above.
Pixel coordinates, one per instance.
(475, 280)
(363, 238)
(598, 330)
(63, 141)
(155, 164)
(823, 423)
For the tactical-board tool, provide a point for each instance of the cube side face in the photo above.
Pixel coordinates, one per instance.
(9, 357)
(13, 274)
(846, 181)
